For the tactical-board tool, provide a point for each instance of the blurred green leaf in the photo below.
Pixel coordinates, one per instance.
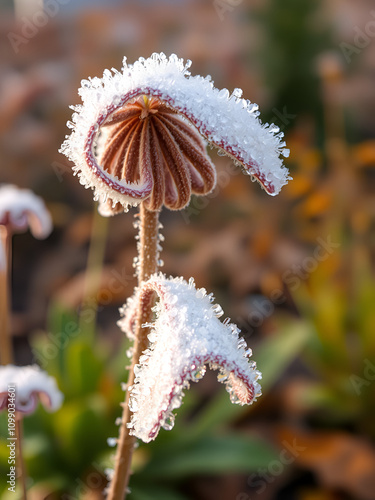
(79, 431)
(83, 368)
(154, 492)
(275, 354)
(210, 455)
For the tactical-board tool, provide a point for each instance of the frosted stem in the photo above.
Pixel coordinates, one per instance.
(148, 265)
(6, 356)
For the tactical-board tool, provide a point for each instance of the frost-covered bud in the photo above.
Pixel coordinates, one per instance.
(30, 383)
(140, 135)
(186, 336)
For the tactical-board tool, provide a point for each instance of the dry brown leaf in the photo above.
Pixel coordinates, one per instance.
(108, 288)
(340, 460)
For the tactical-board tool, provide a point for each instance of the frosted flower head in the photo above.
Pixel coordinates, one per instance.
(186, 336)
(21, 209)
(140, 135)
(31, 384)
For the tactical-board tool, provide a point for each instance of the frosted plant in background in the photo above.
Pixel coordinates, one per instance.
(139, 138)
(20, 209)
(186, 336)
(31, 384)
(21, 387)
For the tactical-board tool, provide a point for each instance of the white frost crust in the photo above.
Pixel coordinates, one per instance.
(30, 384)
(186, 336)
(21, 208)
(227, 121)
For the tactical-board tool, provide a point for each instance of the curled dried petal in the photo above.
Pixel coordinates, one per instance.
(186, 336)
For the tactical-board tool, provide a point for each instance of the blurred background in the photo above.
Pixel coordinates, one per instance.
(296, 272)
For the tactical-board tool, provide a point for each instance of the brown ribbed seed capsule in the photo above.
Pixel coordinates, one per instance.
(147, 137)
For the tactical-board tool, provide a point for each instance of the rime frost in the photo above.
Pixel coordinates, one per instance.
(21, 208)
(186, 336)
(30, 384)
(227, 121)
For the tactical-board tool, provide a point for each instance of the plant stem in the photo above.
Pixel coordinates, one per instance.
(148, 265)
(6, 356)
(94, 271)
(20, 461)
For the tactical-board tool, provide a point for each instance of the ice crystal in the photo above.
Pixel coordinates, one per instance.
(112, 442)
(185, 337)
(109, 472)
(21, 208)
(30, 383)
(230, 123)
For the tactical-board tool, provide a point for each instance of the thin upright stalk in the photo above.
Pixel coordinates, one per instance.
(20, 461)
(6, 355)
(94, 270)
(148, 264)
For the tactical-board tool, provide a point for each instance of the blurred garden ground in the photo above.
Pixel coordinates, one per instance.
(296, 272)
